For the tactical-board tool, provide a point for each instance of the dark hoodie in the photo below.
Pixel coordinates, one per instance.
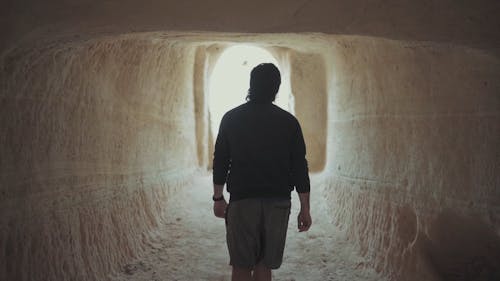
(260, 153)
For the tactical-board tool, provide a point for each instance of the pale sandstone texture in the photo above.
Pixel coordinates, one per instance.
(95, 135)
(102, 120)
(474, 23)
(413, 158)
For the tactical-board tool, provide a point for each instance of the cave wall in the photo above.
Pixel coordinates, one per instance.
(308, 84)
(95, 135)
(413, 156)
(98, 131)
(472, 23)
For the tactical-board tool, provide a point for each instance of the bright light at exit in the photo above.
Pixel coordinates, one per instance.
(230, 81)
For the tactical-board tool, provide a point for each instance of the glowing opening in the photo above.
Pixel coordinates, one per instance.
(230, 81)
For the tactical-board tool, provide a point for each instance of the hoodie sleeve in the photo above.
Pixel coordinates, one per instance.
(222, 155)
(300, 170)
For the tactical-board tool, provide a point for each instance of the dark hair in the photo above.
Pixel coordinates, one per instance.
(265, 80)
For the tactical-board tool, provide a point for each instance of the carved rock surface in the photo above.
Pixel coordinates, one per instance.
(95, 135)
(413, 158)
(99, 128)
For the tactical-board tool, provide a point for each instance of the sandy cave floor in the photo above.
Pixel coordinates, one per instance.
(191, 245)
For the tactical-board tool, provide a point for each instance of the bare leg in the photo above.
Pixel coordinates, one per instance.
(262, 273)
(241, 274)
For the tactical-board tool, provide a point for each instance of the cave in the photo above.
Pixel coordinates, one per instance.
(106, 136)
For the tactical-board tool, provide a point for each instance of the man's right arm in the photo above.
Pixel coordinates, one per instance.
(300, 174)
(300, 170)
(304, 220)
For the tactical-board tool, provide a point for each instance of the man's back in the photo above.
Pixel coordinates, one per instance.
(264, 147)
(260, 154)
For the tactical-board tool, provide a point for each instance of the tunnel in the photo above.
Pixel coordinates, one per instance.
(106, 142)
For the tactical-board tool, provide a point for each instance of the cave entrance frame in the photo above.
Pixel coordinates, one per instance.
(229, 81)
(304, 76)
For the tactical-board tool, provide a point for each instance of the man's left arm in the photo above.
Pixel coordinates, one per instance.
(220, 203)
(220, 169)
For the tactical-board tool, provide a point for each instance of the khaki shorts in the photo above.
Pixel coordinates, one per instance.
(256, 231)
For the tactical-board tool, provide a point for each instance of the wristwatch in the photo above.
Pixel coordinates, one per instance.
(218, 198)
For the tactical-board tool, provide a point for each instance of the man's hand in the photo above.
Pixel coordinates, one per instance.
(220, 208)
(304, 220)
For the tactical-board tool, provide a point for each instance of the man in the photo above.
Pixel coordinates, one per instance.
(260, 154)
